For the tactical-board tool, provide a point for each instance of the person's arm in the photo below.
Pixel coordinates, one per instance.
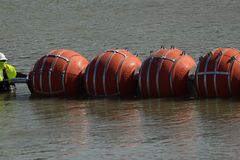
(11, 71)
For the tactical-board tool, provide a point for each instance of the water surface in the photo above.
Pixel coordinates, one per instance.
(116, 128)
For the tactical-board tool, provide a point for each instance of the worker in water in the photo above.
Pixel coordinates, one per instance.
(7, 72)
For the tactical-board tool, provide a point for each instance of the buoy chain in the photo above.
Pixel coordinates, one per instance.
(51, 69)
(233, 58)
(229, 75)
(215, 70)
(213, 73)
(117, 51)
(205, 75)
(164, 57)
(58, 56)
(41, 71)
(171, 74)
(118, 74)
(183, 53)
(136, 54)
(95, 72)
(105, 72)
(148, 74)
(33, 81)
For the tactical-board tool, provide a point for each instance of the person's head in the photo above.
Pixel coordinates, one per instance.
(3, 59)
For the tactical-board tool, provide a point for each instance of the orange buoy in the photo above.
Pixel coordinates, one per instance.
(218, 73)
(165, 73)
(59, 72)
(112, 73)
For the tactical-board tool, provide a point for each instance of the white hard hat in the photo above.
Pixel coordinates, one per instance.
(2, 57)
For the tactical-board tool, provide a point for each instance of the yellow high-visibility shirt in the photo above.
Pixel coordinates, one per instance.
(10, 71)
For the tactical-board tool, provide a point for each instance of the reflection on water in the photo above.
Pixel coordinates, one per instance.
(119, 123)
(119, 129)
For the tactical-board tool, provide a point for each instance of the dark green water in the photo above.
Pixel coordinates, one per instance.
(69, 129)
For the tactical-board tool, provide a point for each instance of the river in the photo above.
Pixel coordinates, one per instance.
(116, 128)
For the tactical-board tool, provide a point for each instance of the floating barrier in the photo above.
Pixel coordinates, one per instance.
(165, 73)
(112, 73)
(59, 72)
(168, 72)
(218, 73)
